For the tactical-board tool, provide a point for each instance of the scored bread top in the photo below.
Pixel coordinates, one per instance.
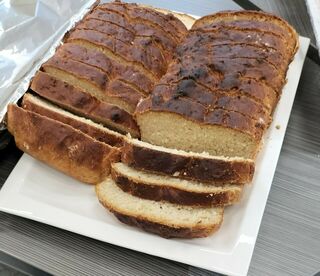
(186, 165)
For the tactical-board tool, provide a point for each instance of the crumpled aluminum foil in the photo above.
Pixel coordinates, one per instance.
(30, 31)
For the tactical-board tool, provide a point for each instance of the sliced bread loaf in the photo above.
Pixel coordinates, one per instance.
(96, 131)
(165, 188)
(180, 164)
(251, 20)
(165, 219)
(83, 104)
(61, 146)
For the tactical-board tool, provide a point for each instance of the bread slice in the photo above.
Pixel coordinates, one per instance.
(235, 50)
(139, 82)
(251, 36)
(187, 165)
(92, 81)
(165, 188)
(186, 125)
(96, 131)
(250, 19)
(165, 219)
(224, 99)
(148, 59)
(61, 146)
(167, 22)
(83, 104)
(200, 67)
(233, 83)
(134, 26)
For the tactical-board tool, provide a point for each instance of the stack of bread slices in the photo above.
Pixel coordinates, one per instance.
(170, 192)
(199, 100)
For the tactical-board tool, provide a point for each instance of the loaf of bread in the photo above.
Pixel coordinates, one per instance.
(171, 189)
(61, 146)
(200, 100)
(220, 91)
(165, 219)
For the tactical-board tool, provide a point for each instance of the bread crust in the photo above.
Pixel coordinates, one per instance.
(147, 55)
(233, 50)
(251, 36)
(75, 100)
(174, 195)
(114, 140)
(135, 27)
(111, 67)
(167, 22)
(228, 100)
(164, 230)
(61, 146)
(202, 68)
(208, 170)
(262, 20)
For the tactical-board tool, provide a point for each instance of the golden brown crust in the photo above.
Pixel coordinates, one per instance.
(209, 170)
(202, 67)
(249, 19)
(94, 132)
(231, 34)
(164, 192)
(220, 99)
(113, 69)
(104, 20)
(61, 146)
(232, 50)
(143, 52)
(83, 104)
(167, 22)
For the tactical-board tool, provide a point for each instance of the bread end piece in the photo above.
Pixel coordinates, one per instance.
(61, 146)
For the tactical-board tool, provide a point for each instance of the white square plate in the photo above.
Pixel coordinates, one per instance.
(38, 192)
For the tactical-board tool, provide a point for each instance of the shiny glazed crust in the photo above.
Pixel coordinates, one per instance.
(61, 146)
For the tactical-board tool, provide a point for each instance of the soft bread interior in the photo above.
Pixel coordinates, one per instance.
(173, 215)
(173, 131)
(202, 155)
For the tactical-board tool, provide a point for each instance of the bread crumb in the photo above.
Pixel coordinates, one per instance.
(176, 174)
(277, 126)
(26, 145)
